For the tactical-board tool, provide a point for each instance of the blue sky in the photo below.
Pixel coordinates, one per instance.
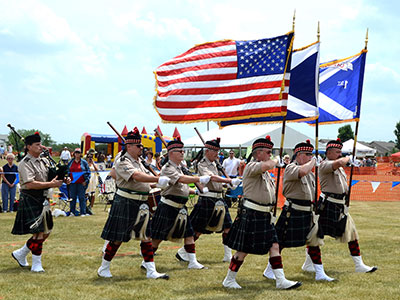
(67, 67)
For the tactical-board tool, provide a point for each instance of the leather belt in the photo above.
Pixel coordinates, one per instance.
(132, 196)
(298, 207)
(172, 203)
(257, 207)
(212, 195)
(333, 200)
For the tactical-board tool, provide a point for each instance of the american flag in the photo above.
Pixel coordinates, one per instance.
(225, 80)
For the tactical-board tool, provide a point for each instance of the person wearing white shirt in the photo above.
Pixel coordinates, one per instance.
(231, 164)
(65, 156)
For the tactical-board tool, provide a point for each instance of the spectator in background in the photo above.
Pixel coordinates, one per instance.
(157, 158)
(1, 151)
(149, 158)
(286, 160)
(78, 187)
(10, 148)
(231, 165)
(109, 162)
(91, 189)
(8, 186)
(221, 157)
(65, 156)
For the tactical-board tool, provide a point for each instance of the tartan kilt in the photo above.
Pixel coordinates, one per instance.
(163, 221)
(29, 209)
(202, 212)
(293, 230)
(329, 219)
(252, 232)
(121, 220)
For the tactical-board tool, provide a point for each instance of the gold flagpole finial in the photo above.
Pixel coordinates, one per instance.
(294, 19)
(318, 32)
(366, 40)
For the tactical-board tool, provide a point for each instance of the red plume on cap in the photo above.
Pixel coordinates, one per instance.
(178, 138)
(308, 142)
(218, 139)
(338, 139)
(135, 130)
(37, 132)
(268, 138)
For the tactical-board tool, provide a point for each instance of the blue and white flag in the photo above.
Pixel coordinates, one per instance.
(303, 89)
(340, 89)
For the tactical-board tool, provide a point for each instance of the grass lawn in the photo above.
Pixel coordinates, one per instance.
(72, 255)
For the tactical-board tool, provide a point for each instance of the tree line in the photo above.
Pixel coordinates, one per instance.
(47, 141)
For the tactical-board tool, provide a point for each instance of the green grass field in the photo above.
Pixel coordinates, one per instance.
(71, 257)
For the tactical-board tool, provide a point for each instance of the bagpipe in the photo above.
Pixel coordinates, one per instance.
(56, 170)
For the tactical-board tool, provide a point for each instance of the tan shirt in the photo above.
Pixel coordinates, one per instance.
(258, 186)
(32, 169)
(175, 188)
(125, 167)
(298, 188)
(206, 167)
(332, 181)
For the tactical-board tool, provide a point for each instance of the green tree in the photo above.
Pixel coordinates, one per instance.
(18, 144)
(397, 134)
(345, 133)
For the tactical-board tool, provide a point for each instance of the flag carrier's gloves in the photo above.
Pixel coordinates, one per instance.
(354, 161)
(204, 179)
(280, 163)
(205, 191)
(236, 181)
(317, 160)
(163, 182)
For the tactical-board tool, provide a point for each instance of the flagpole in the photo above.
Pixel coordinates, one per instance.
(316, 138)
(355, 142)
(278, 176)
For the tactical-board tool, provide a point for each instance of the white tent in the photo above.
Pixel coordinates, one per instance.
(244, 135)
(361, 150)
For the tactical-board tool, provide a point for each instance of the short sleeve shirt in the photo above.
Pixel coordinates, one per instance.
(125, 167)
(32, 169)
(175, 188)
(298, 188)
(207, 167)
(332, 181)
(258, 186)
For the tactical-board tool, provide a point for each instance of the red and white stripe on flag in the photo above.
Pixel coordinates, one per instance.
(209, 82)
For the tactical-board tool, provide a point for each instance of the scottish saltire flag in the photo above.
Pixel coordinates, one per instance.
(225, 80)
(303, 89)
(340, 89)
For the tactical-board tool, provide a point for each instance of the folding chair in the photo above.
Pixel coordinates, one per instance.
(107, 191)
(63, 199)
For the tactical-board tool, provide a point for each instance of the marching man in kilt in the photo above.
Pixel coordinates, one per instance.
(297, 224)
(170, 221)
(253, 230)
(211, 214)
(34, 215)
(334, 219)
(129, 212)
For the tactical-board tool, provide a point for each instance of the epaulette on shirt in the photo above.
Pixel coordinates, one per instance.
(122, 158)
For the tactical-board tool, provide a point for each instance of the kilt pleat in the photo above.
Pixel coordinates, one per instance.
(163, 221)
(29, 209)
(252, 232)
(329, 219)
(202, 212)
(121, 220)
(293, 230)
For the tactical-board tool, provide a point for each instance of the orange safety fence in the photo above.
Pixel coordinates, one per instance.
(385, 178)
